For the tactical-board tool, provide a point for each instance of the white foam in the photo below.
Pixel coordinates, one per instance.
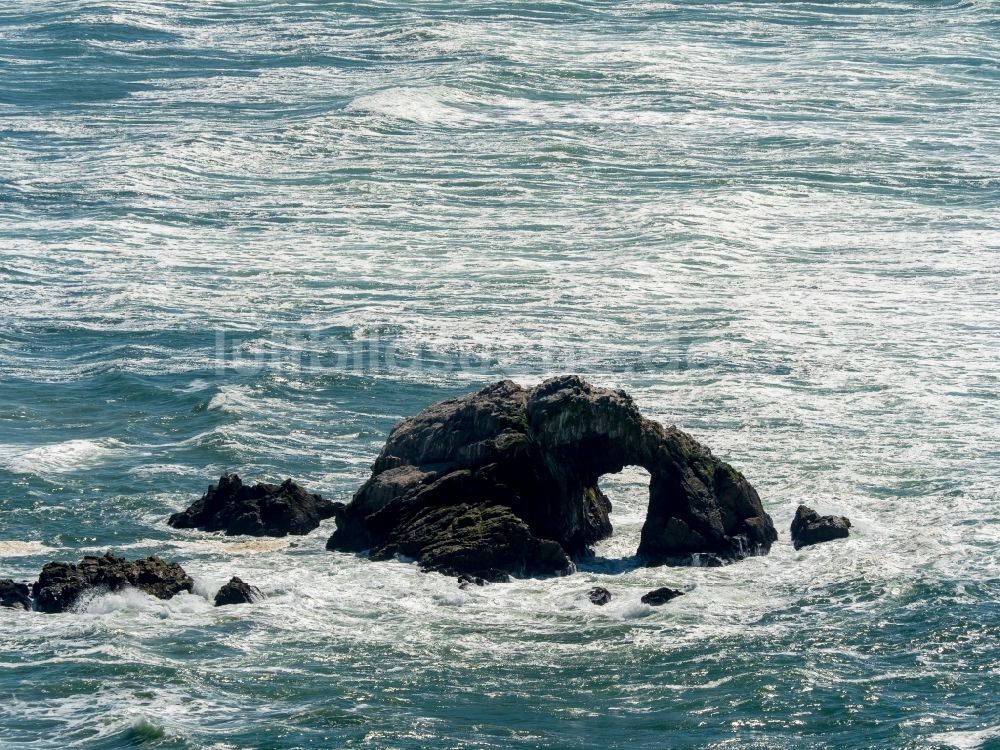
(966, 740)
(58, 458)
(98, 602)
(194, 386)
(15, 548)
(230, 399)
(428, 106)
(251, 546)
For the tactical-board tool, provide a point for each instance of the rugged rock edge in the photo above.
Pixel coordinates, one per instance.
(258, 510)
(504, 482)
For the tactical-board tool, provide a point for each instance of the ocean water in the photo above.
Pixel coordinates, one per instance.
(253, 235)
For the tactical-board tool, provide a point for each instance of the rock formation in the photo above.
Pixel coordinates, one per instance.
(809, 527)
(656, 597)
(504, 481)
(61, 584)
(599, 596)
(14, 595)
(237, 592)
(260, 510)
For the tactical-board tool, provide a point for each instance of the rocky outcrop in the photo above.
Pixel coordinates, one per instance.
(260, 510)
(599, 596)
(61, 584)
(481, 541)
(505, 481)
(237, 592)
(809, 527)
(14, 595)
(656, 597)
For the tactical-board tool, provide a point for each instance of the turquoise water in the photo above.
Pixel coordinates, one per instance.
(252, 236)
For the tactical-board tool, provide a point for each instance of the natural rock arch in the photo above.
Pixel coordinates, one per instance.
(505, 481)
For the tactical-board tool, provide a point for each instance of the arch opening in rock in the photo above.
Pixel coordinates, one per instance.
(505, 481)
(628, 494)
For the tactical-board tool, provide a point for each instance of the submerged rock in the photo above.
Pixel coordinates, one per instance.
(259, 510)
(656, 597)
(504, 481)
(14, 595)
(61, 584)
(809, 527)
(599, 596)
(237, 592)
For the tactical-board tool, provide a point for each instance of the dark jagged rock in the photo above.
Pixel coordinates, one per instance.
(656, 597)
(505, 480)
(487, 542)
(260, 510)
(14, 595)
(599, 596)
(61, 584)
(809, 527)
(237, 592)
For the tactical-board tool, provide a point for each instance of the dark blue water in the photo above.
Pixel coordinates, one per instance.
(252, 236)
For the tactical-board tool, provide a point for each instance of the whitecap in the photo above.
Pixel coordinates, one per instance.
(966, 740)
(230, 399)
(194, 386)
(58, 458)
(433, 105)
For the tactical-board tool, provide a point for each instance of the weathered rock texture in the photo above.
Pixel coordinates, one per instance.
(809, 527)
(504, 481)
(61, 584)
(237, 592)
(14, 595)
(260, 510)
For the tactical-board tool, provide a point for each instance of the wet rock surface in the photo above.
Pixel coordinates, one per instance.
(258, 510)
(809, 527)
(599, 596)
(504, 481)
(60, 584)
(236, 591)
(659, 596)
(14, 595)
(487, 542)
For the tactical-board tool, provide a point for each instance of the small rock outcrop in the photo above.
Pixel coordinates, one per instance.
(237, 592)
(258, 510)
(505, 481)
(14, 595)
(481, 541)
(656, 597)
(809, 527)
(61, 584)
(599, 596)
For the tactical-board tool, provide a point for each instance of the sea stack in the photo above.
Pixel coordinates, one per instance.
(809, 527)
(236, 591)
(504, 481)
(258, 510)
